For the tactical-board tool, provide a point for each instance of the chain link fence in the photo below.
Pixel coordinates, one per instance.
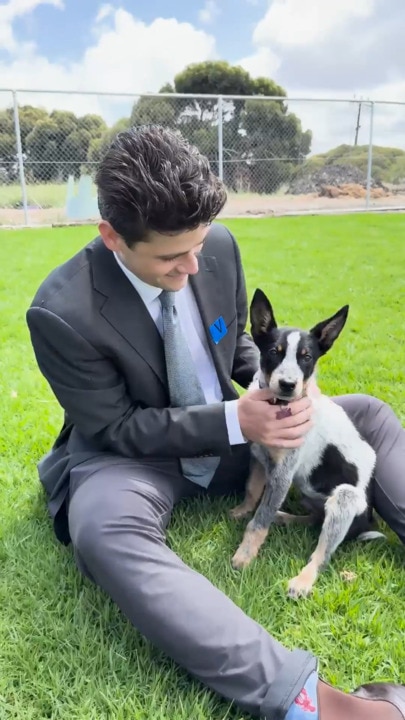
(275, 155)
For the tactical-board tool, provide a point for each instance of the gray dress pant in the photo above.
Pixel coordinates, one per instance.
(118, 512)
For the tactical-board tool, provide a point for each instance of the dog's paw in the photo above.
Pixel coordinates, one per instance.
(239, 512)
(241, 559)
(300, 586)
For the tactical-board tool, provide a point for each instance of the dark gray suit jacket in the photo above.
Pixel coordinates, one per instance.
(101, 353)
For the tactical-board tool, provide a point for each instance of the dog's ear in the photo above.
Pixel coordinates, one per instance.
(327, 331)
(262, 318)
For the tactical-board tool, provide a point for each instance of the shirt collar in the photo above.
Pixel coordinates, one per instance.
(148, 293)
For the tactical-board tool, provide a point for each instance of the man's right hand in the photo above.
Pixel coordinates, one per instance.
(259, 423)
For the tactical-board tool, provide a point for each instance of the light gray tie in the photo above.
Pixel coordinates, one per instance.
(184, 385)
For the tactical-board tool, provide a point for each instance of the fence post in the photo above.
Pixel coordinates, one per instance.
(370, 154)
(20, 157)
(220, 140)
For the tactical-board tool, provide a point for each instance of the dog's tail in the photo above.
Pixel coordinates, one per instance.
(371, 535)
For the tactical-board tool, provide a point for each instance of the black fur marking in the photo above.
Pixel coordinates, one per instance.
(308, 361)
(332, 471)
(273, 348)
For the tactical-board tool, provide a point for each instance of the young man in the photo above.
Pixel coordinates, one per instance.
(140, 336)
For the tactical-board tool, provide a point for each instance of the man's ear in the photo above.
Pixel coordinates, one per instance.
(109, 236)
(262, 318)
(327, 331)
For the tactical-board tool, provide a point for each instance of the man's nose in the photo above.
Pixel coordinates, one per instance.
(189, 264)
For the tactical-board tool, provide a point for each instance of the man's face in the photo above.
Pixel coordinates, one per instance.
(164, 261)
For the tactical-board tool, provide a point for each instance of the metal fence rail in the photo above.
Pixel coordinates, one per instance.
(275, 155)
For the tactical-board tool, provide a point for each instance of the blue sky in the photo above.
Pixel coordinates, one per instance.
(64, 35)
(313, 48)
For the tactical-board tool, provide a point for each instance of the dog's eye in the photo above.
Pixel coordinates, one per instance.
(273, 351)
(307, 357)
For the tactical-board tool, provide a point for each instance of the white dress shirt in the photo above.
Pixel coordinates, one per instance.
(194, 334)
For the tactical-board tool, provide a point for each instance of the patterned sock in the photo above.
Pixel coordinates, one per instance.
(305, 705)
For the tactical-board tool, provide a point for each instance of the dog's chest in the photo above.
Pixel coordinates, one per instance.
(331, 428)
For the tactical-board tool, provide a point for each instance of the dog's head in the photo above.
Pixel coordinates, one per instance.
(288, 355)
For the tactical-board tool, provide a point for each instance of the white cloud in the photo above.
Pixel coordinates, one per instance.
(321, 50)
(209, 12)
(264, 62)
(293, 25)
(145, 56)
(11, 11)
(301, 22)
(104, 12)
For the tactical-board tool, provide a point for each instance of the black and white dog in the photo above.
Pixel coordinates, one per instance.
(332, 468)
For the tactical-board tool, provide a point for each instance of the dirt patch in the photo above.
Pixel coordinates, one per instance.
(247, 205)
(353, 190)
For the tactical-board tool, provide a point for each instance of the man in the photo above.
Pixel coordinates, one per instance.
(140, 336)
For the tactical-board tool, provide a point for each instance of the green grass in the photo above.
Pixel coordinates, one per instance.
(66, 653)
(45, 195)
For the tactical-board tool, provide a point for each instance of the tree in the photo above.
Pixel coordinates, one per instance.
(94, 124)
(274, 144)
(42, 151)
(153, 110)
(57, 145)
(8, 148)
(262, 141)
(99, 145)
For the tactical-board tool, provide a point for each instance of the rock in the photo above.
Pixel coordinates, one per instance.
(353, 190)
(332, 176)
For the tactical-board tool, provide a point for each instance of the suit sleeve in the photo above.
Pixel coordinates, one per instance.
(246, 360)
(92, 392)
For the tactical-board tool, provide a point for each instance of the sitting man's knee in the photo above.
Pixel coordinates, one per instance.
(376, 405)
(362, 407)
(94, 531)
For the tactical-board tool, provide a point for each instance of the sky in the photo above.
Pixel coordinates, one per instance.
(321, 49)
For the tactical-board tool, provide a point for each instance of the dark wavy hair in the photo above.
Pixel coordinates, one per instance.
(152, 179)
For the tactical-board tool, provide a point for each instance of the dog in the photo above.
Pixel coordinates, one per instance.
(332, 469)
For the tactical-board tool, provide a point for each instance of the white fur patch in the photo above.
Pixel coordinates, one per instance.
(289, 370)
(332, 426)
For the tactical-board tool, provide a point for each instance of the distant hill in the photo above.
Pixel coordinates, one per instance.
(388, 163)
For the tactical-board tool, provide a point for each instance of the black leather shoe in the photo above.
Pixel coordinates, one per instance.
(394, 694)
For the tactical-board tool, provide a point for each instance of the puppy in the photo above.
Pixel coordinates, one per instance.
(333, 467)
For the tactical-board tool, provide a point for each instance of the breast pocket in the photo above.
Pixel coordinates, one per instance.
(226, 344)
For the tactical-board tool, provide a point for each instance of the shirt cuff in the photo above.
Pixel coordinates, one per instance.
(232, 423)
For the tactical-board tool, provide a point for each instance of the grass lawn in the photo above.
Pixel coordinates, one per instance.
(38, 194)
(66, 653)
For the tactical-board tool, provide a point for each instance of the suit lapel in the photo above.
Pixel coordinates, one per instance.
(210, 297)
(125, 310)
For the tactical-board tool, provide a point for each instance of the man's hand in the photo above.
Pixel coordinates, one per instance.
(259, 422)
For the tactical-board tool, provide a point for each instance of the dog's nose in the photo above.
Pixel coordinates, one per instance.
(287, 386)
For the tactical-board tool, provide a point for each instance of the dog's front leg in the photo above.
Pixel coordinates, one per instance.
(278, 484)
(254, 490)
(340, 510)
